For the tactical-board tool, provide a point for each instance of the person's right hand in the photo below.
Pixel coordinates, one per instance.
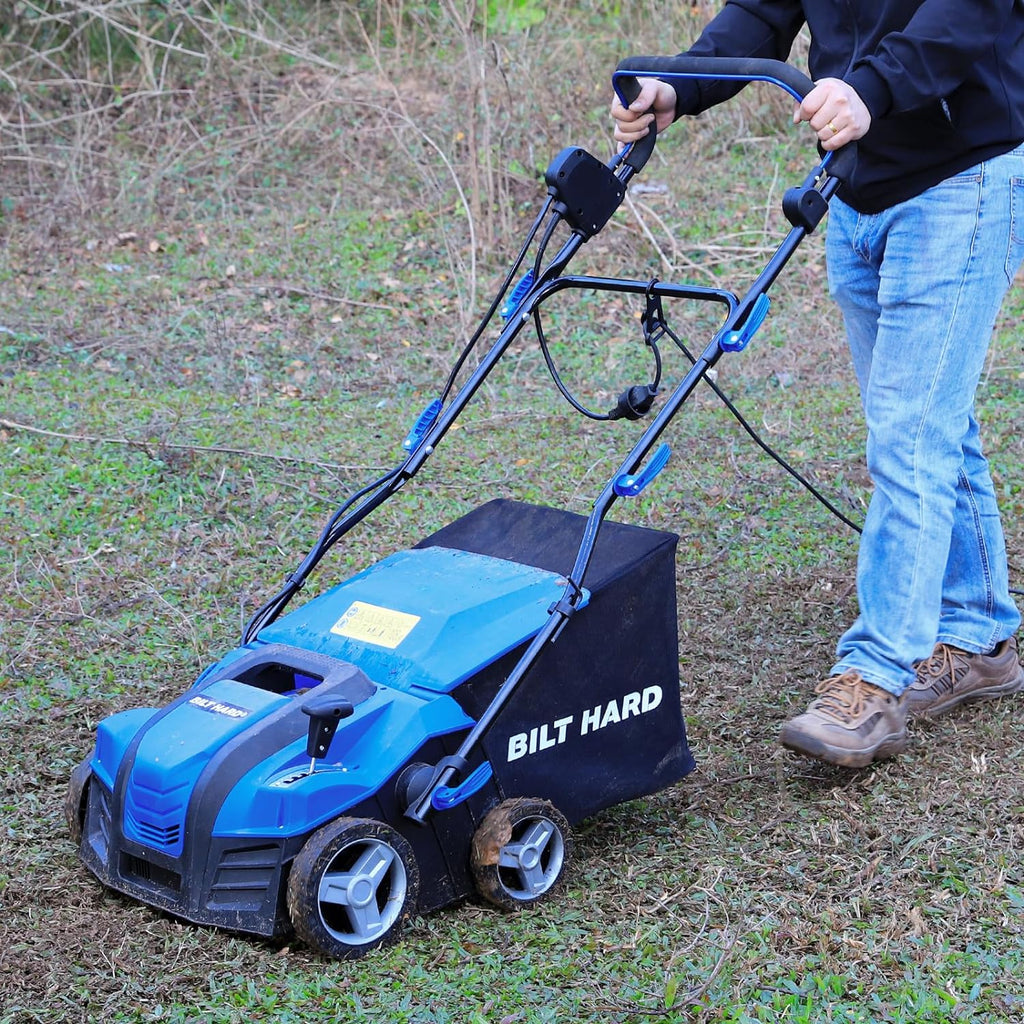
(656, 102)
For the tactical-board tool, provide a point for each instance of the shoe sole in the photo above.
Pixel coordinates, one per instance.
(811, 746)
(1006, 689)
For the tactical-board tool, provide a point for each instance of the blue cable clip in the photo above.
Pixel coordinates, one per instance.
(513, 302)
(629, 485)
(445, 797)
(736, 341)
(422, 424)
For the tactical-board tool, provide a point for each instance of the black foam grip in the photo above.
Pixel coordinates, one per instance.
(748, 69)
(641, 150)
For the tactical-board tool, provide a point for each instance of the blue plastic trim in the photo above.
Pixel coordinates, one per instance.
(445, 797)
(736, 341)
(513, 302)
(423, 424)
(279, 797)
(172, 755)
(113, 737)
(668, 76)
(629, 485)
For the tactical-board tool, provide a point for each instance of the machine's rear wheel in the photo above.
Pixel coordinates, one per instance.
(74, 799)
(351, 886)
(520, 852)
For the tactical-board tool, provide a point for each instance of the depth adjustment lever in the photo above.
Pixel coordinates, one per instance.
(325, 712)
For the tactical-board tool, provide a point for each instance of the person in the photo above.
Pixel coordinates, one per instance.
(923, 241)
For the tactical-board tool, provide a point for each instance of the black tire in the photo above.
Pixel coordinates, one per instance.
(520, 853)
(351, 887)
(74, 800)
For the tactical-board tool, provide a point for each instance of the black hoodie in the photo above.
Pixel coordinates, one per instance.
(942, 79)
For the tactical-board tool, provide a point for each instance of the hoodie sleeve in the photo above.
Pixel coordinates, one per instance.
(743, 28)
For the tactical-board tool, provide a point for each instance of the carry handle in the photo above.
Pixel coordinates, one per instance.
(839, 163)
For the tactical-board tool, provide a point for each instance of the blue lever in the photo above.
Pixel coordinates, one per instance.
(445, 797)
(518, 294)
(629, 485)
(422, 424)
(736, 341)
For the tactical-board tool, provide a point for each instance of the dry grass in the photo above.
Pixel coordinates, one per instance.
(219, 232)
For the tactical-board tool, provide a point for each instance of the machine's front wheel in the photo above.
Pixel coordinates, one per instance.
(351, 886)
(520, 852)
(74, 799)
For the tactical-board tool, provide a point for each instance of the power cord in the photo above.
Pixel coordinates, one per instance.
(762, 444)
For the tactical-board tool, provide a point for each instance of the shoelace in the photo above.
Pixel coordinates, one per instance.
(943, 667)
(842, 696)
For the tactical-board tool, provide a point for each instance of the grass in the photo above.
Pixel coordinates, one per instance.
(192, 376)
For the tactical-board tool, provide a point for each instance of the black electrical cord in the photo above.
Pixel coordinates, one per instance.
(489, 315)
(542, 248)
(740, 418)
(331, 532)
(272, 608)
(663, 328)
(557, 377)
(763, 445)
(803, 481)
(626, 405)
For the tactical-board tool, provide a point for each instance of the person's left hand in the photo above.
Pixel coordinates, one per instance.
(835, 112)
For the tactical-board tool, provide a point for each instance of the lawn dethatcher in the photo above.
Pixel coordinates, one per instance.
(434, 726)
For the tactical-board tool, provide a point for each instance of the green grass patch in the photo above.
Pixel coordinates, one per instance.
(225, 312)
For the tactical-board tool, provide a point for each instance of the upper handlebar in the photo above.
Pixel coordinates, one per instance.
(740, 69)
(743, 69)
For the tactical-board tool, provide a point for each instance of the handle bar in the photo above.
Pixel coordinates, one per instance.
(740, 69)
(743, 69)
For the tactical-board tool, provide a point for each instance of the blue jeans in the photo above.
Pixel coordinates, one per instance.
(920, 286)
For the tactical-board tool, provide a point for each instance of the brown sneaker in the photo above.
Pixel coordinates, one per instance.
(951, 677)
(850, 722)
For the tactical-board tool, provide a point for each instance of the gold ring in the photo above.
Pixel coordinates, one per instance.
(832, 128)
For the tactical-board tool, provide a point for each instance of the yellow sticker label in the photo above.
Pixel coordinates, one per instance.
(375, 625)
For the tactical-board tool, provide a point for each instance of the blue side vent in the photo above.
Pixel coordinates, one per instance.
(736, 341)
(422, 425)
(629, 485)
(445, 797)
(513, 302)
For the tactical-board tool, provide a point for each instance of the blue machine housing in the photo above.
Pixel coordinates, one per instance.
(477, 686)
(199, 807)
